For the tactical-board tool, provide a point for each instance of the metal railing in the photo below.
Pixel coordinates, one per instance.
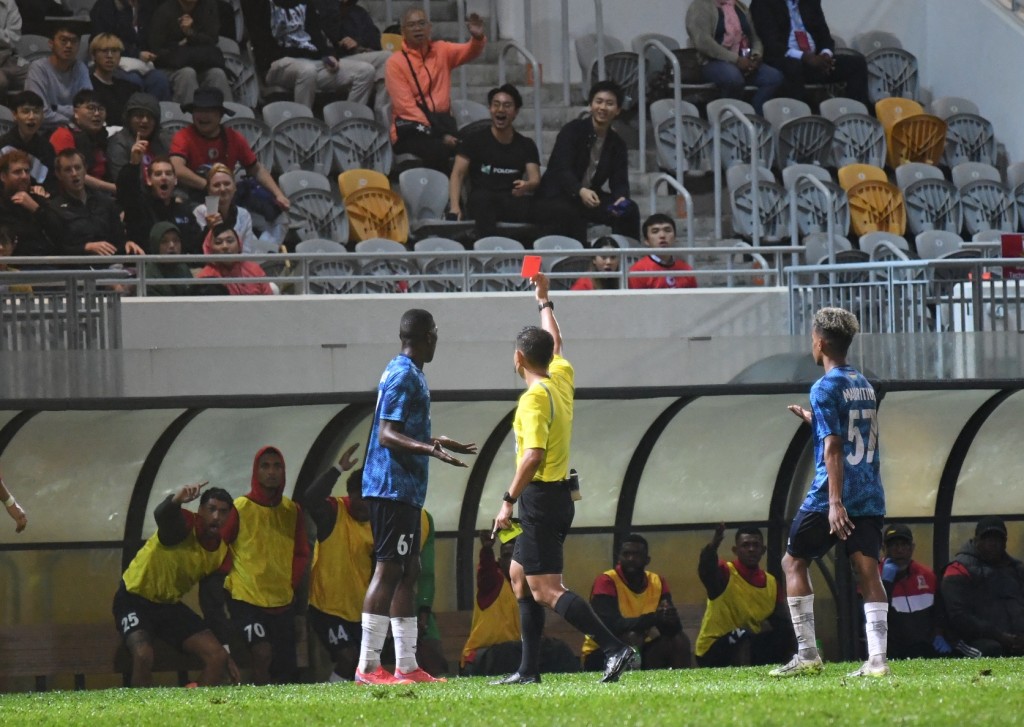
(599, 29)
(794, 227)
(538, 125)
(677, 98)
(716, 162)
(677, 185)
(566, 89)
(59, 310)
(407, 271)
(912, 296)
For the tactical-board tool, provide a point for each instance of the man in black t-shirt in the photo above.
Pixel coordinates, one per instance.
(502, 164)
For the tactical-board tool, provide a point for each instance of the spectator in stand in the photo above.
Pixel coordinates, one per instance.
(344, 564)
(84, 222)
(87, 132)
(269, 549)
(587, 155)
(149, 198)
(221, 182)
(185, 550)
(183, 35)
(419, 82)
(27, 136)
(8, 245)
(59, 76)
(304, 60)
(983, 593)
(223, 240)
(602, 264)
(165, 239)
(205, 142)
(36, 13)
(636, 605)
(352, 32)
(23, 208)
(112, 90)
(660, 232)
(141, 121)
(913, 625)
(428, 638)
(731, 52)
(503, 167)
(12, 74)
(745, 621)
(797, 42)
(129, 21)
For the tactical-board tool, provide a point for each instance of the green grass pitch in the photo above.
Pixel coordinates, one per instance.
(941, 692)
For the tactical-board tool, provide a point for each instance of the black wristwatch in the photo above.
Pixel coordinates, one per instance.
(508, 498)
(548, 304)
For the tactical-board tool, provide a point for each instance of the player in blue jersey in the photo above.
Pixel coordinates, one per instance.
(846, 502)
(395, 487)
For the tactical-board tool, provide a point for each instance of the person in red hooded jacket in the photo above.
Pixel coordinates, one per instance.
(269, 551)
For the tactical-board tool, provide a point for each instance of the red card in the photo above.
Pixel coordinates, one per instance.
(531, 266)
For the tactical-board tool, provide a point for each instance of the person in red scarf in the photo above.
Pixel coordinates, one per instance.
(269, 552)
(223, 240)
(724, 36)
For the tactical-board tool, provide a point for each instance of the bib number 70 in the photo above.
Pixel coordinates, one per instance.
(854, 435)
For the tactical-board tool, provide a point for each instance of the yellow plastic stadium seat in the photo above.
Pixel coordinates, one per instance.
(391, 41)
(877, 207)
(889, 111)
(918, 138)
(853, 174)
(374, 212)
(356, 179)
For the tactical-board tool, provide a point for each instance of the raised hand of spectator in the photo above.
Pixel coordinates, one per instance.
(213, 219)
(138, 150)
(132, 248)
(475, 26)
(188, 493)
(24, 200)
(100, 248)
(346, 462)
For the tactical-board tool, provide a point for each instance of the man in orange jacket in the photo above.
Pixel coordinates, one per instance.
(418, 80)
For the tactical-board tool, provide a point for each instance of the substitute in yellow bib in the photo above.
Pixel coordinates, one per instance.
(746, 620)
(185, 550)
(541, 486)
(636, 605)
(269, 554)
(343, 564)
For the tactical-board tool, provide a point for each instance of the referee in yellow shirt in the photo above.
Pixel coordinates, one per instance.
(543, 430)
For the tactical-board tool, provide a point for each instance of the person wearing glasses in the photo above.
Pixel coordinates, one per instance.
(503, 167)
(87, 132)
(113, 91)
(60, 75)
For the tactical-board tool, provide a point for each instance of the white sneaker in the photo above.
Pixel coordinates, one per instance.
(868, 669)
(798, 667)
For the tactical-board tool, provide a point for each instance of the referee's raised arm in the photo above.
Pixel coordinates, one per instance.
(547, 310)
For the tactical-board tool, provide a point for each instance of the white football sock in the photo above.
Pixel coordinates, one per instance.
(801, 611)
(375, 630)
(405, 630)
(877, 629)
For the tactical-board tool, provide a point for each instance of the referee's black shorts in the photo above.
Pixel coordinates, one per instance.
(546, 511)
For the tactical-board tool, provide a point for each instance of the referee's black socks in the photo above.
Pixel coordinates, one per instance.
(531, 620)
(582, 617)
